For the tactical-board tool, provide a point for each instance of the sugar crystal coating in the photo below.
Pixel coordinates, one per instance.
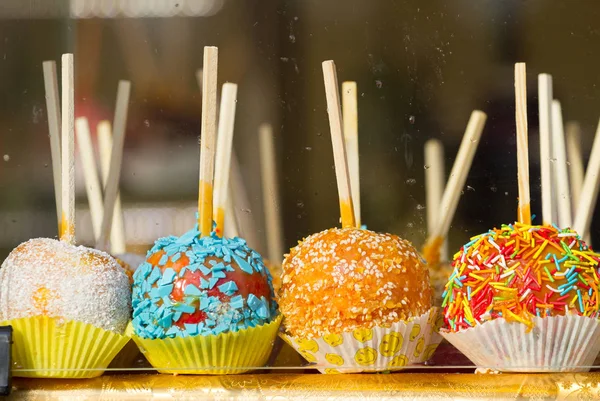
(520, 271)
(341, 279)
(46, 277)
(192, 285)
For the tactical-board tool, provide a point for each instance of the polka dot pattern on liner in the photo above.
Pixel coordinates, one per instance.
(192, 285)
(343, 279)
(520, 271)
(46, 277)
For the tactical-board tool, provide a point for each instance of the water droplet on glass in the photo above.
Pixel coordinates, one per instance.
(147, 123)
(493, 189)
(308, 148)
(410, 224)
(45, 165)
(506, 194)
(411, 119)
(300, 204)
(420, 207)
(293, 38)
(426, 167)
(470, 188)
(6, 158)
(378, 84)
(411, 181)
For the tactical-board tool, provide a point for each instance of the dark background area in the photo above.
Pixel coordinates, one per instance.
(421, 69)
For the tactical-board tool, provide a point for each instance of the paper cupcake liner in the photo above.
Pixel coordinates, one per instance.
(229, 353)
(46, 347)
(555, 344)
(373, 350)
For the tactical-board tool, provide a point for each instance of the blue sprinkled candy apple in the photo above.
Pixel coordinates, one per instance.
(193, 285)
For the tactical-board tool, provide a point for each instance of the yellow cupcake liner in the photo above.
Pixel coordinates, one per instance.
(228, 353)
(373, 350)
(46, 347)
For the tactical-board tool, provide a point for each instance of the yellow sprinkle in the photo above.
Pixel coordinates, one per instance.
(476, 276)
(539, 251)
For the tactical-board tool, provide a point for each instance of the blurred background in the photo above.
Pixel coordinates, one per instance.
(421, 68)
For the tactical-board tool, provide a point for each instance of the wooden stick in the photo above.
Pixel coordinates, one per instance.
(111, 189)
(90, 173)
(334, 110)
(589, 193)
(524, 212)
(207, 141)
(545, 115)
(223, 155)
(563, 193)
(434, 188)
(231, 224)
(268, 166)
(118, 244)
(199, 74)
(53, 110)
(350, 116)
(67, 226)
(576, 169)
(459, 172)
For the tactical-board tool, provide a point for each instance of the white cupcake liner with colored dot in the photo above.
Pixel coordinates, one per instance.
(555, 344)
(45, 347)
(373, 350)
(228, 353)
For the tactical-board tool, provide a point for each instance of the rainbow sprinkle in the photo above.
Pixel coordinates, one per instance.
(520, 271)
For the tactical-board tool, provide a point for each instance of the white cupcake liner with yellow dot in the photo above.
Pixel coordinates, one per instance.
(46, 347)
(228, 353)
(373, 350)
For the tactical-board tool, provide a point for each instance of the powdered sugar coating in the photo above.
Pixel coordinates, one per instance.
(342, 279)
(47, 277)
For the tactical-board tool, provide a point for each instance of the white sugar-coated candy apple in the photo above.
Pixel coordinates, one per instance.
(46, 277)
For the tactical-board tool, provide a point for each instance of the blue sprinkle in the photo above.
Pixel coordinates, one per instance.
(580, 301)
(176, 257)
(218, 267)
(243, 264)
(263, 312)
(163, 259)
(187, 238)
(166, 320)
(168, 276)
(218, 274)
(204, 303)
(229, 268)
(177, 316)
(192, 329)
(172, 332)
(165, 290)
(154, 276)
(229, 288)
(220, 328)
(205, 270)
(253, 302)
(155, 293)
(183, 308)
(237, 302)
(211, 282)
(212, 262)
(204, 284)
(192, 290)
(210, 322)
(182, 271)
(468, 294)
